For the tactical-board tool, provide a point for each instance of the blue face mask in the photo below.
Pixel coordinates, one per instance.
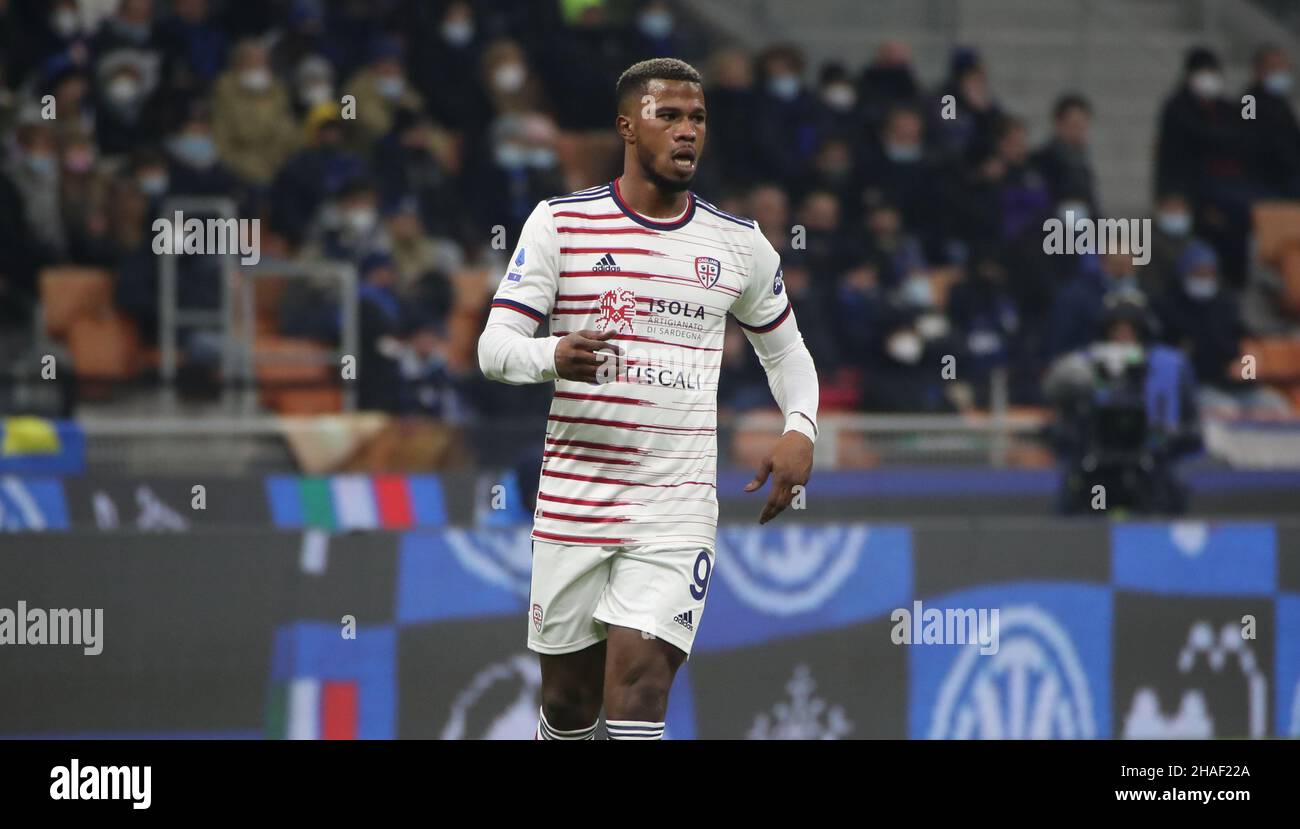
(1279, 83)
(656, 24)
(194, 150)
(42, 165)
(1175, 224)
(903, 153)
(785, 87)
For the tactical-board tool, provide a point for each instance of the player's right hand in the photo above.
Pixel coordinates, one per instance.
(580, 355)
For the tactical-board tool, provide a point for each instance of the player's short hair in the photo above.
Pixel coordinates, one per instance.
(635, 77)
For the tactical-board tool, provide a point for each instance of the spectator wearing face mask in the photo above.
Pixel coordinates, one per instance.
(195, 167)
(34, 170)
(1063, 161)
(131, 28)
(897, 166)
(1203, 318)
(1171, 233)
(83, 196)
(125, 85)
(252, 122)
(512, 85)
(448, 76)
(313, 175)
(58, 30)
(381, 89)
(785, 120)
(522, 170)
(838, 114)
(1275, 133)
(657, 33)
(314, 86)
(348, 228)
(1202, 148)
(903, 374)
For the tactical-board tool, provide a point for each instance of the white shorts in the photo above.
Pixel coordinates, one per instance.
(658, 589)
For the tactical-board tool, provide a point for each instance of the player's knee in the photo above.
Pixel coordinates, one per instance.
(569, 709)
(641, 695)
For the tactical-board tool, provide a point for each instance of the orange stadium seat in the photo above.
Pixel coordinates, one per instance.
(1277, 359)
(1277, 227)
(105, 346)
(294, 376)
(70, 293)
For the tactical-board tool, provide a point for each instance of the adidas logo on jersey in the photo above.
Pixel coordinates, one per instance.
(686, 620)
(606, 264)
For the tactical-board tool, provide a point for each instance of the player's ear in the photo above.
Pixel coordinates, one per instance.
(624, 126)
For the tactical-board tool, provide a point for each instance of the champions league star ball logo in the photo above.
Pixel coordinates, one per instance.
(617, 310)
(707, 270)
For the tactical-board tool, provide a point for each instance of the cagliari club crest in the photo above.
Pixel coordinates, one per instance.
(707, 270)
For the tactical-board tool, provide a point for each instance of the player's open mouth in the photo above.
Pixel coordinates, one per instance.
(684, 159)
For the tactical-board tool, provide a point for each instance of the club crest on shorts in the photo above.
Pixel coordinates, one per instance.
(617, 310)
(707, 270)
(537, 617)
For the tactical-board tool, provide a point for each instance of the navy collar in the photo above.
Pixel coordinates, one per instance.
(646, 221)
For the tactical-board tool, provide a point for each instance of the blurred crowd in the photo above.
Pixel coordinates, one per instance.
(910, 223)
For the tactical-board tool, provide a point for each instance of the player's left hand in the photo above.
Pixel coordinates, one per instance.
(790, 465)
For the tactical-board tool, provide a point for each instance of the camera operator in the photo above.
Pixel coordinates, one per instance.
(1126, 412)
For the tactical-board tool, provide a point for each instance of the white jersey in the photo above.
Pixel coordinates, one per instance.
(633, 460)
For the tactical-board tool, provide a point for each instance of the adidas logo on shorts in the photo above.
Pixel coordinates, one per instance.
(686, 620)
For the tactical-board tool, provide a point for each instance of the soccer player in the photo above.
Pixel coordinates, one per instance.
(636, 278)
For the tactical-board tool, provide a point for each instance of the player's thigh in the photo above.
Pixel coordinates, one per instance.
(567, 582)
(659, 591)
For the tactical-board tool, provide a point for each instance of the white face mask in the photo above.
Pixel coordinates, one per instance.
(840, 97)
(154, 184)
(65, 22)
(317, 93)
(1201, 287)
(256, 80)
(1207, 83)
(916, 291)
(458, 32)
(123, 91)
(511, 156)
(362, 219)
(1279, 83)
(905, 347)
(391, 86)
(785, 87)
(1175, 224)
(509, 77)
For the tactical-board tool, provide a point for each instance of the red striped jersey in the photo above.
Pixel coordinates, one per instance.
(633, 459)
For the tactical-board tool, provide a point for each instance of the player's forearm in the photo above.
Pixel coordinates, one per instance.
(508, 355)
(793, 380)
(791, 375)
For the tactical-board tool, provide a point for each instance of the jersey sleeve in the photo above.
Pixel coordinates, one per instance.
(529, 285)
(762, 304)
